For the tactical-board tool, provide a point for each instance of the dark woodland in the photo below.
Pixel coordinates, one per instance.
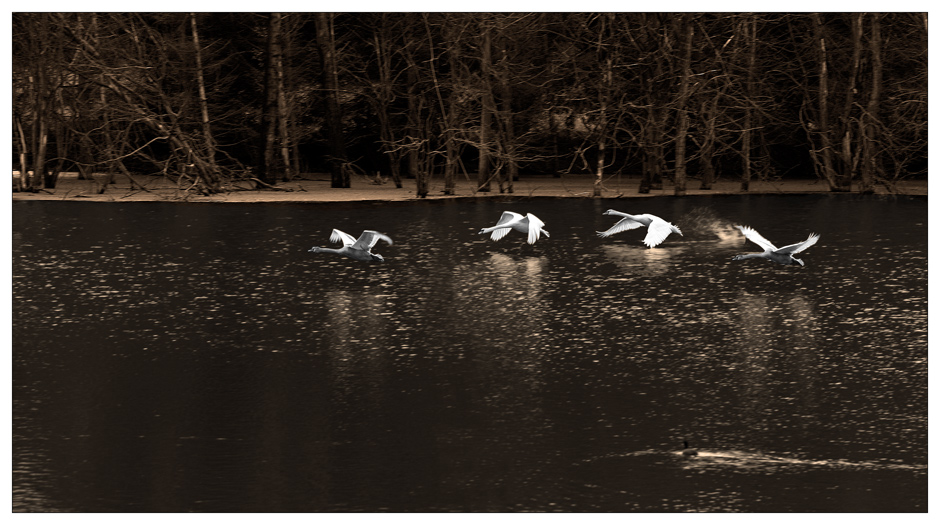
(208, 98)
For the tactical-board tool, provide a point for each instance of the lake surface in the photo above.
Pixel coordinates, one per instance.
(195, 357)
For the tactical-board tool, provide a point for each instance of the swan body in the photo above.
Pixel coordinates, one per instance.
(778, 255)
(686, 451)
(528, 224)
(359, 249)
(657, 229)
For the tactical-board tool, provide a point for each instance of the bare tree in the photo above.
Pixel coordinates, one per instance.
(326, 41)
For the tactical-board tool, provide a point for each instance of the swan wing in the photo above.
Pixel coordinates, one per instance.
(758, 239)
(499, 233)
(508, 218)
(800, 246)
(343, 237)
(624, 224)
(368, 239)
(535, 227)
(657, 233)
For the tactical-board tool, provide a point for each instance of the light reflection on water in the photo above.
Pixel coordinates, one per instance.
(203, 357)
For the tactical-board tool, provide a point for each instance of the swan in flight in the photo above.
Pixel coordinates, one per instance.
(358, 249)
(528, 224)
(778, 255)
(657, 231)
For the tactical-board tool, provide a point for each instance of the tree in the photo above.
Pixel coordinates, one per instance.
(687, 29)
(330, 72)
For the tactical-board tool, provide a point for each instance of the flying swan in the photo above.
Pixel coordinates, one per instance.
(528, 224)
(358, 249)
(657, 231)
(778, 255)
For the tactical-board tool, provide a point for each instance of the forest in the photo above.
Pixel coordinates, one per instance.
(205, 99)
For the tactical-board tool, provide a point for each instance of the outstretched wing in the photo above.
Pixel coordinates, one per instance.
(368, 239)
(535, 227)
(622, 225)
(507, 218)
(657, 233)
(499, 233)
(800, 246)
(752, 235)
(340, 236)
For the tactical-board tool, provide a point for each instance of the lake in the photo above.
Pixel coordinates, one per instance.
(172, 357)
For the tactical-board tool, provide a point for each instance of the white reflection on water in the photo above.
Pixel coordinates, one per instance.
(777, 331)
(505, 345)
(636, 260)
(504, 296)
(357, 323)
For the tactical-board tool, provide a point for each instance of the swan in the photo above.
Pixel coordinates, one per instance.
(510, 220)
(778, 255)
(658, 229)
(686, 451)
(358, 249)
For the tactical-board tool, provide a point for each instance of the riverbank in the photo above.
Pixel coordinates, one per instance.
(316, 188)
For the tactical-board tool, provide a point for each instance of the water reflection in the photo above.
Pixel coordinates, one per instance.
(161, 368)
(779, 369)
(636, 260)
(503, 298)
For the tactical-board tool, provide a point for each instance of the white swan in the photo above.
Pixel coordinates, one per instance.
(778, 255)
(358, 249)
(657, 231)
(528, 224)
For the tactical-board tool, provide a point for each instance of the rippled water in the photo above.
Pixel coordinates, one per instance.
(195, 357)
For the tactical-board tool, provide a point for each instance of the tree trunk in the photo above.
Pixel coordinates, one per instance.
(450, 122)
(486, 109)
(385, 97)
(203, 101)
(21, 182)
(269, 175)
(708, 145)
(608, 75)
(750, 34)
(682, 125)
(848, 165)
(40, 125)
(509, 134)
(448, 111)
(870, 119)
(823, 97)
(283, 111)
(334, 119)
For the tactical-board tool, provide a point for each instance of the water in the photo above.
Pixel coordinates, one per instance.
(195, 357)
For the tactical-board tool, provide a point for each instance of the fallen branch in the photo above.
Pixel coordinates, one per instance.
(269, 186)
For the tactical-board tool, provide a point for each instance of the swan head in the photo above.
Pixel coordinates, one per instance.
(737, 257)
(608, 212)
(315, 249)
(377, 258)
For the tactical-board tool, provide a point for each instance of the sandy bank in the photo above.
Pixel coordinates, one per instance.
(316, 188)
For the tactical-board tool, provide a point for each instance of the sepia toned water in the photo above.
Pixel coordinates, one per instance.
(195, 357)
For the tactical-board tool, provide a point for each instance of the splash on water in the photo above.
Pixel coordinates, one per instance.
(703, 224)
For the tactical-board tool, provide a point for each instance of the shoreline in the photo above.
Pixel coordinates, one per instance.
(316, 189)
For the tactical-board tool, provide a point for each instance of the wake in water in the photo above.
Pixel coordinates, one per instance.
(736, 459)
